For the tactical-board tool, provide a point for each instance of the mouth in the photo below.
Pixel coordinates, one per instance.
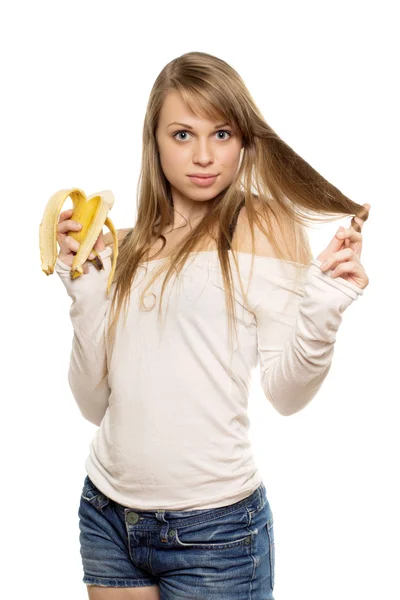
(202, 175)
(203, 180)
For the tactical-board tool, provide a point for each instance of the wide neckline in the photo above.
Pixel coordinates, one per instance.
(239, 253)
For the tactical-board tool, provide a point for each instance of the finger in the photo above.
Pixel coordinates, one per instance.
(350, 267)
(66, 214)
(352, 239)
(343, 255)
(64, 227)
(335, 244)
(350, 234)
(68, 225)
(70, 245)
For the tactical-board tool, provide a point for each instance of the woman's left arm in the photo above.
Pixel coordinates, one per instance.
(297, 325)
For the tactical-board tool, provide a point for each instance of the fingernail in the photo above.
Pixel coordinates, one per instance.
(79, 225)
(324, 264)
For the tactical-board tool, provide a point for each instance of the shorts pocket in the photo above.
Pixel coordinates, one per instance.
(228, 531)
(92, 494)
(271, 537)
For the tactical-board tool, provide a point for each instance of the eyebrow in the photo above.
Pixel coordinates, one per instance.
(189, 127)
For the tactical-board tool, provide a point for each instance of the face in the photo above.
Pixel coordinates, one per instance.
(198, 146)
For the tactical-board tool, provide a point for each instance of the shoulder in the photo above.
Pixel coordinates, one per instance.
(242, 239)
(121, 234)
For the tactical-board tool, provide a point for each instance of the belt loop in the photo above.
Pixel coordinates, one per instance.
(160, 516)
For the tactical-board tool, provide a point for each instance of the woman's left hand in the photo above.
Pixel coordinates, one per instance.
(343, 255)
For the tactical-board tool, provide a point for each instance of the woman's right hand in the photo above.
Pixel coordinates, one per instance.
(68, 246)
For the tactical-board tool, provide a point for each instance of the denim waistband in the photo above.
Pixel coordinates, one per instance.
(254, 501)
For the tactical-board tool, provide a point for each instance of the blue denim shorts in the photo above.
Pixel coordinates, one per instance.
(224, 553)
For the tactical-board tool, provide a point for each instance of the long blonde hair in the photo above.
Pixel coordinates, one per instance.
(272, 182)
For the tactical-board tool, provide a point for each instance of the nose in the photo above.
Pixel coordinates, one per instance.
(202, 153)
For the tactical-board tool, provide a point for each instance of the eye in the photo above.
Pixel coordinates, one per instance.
(219, 131)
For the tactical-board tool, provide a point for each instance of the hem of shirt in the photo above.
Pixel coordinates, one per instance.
(208, 503)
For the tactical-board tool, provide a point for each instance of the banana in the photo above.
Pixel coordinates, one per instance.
(92, 213)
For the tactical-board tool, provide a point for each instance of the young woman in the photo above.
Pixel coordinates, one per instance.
(173, 505)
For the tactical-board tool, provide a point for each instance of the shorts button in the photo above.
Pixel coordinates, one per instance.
(248, 540)
(100, 497)
(132, 518)
(171, 533)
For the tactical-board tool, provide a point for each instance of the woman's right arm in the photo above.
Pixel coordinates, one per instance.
(88, 354)
(88, 315)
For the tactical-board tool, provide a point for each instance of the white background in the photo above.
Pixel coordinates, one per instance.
(75, 79)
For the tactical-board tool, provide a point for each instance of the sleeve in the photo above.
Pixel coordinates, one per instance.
(88, 354)
(296, 332)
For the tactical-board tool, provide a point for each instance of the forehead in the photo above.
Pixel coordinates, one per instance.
(174, 108)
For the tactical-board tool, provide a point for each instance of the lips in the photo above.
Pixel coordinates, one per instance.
(202, 180)
(205, 175)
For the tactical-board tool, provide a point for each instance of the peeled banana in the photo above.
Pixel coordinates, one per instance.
(91, 212)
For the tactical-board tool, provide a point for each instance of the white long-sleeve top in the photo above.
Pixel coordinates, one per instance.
(172, 417)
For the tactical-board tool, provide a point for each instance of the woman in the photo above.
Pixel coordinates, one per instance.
(173, 503)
